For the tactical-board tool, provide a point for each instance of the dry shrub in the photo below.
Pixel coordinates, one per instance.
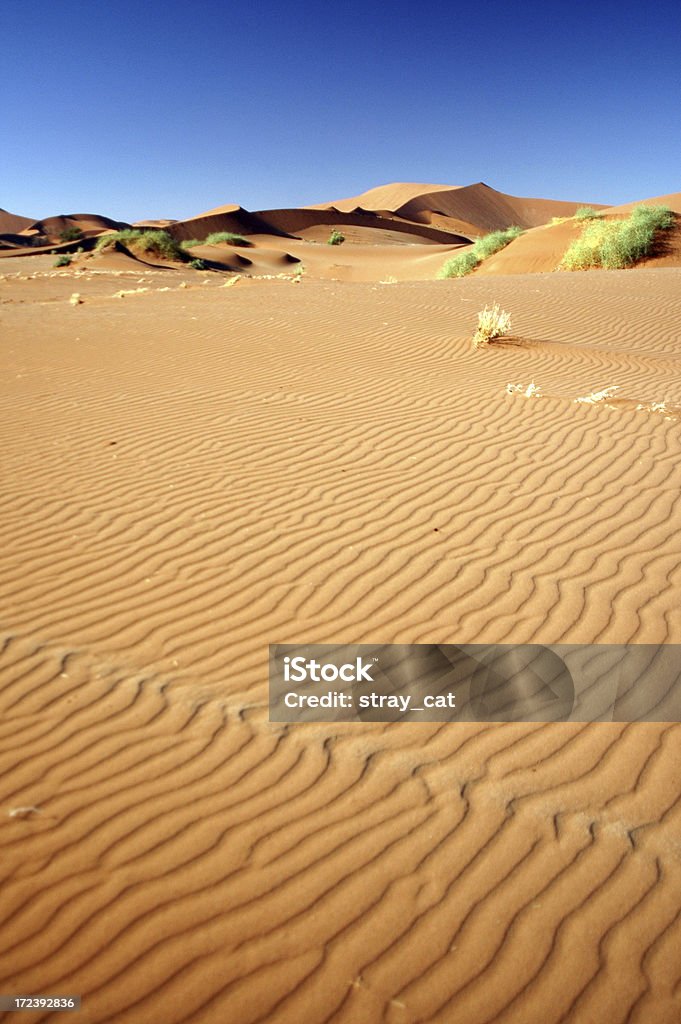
(493, 323)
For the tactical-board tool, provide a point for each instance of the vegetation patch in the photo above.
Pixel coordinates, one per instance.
(586, 213)
(224, 236)
(71, 234)
(336, 237)
(459, 266)
(198, 264)
(493, 323)
(153, 243)
(62, 261)
(615, 244)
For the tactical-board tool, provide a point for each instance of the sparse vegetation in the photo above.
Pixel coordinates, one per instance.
(486, 246)
(459, 266)
(530, 390)
(224, 236)
(156, 243)
(598, 396)
(336, 237)
(298, 271)
(198, 264)
(615, 244)
(586, 213)
(493, 323)
(71, 234)
(216, 238)
(63, 261)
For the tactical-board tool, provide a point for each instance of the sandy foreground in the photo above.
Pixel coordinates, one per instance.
(192, 473)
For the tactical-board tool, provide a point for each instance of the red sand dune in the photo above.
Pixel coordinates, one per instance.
(292, 222)
(672, 200)
(88, 223)
(383, 197)
(12, 223)
(477, 205)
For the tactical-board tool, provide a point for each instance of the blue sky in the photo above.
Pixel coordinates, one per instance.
(165, 108)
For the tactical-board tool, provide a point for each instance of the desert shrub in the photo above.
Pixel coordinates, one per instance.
(615, 244)
(190, 243)
(496, 240)
(336, 237)
(157, 243)
(493, 323)
(459, 266)
(71, 234)
(62, 261)
(586, 213)
(198, 264)
(224, 236)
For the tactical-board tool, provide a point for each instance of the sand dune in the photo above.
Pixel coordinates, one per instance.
(383, 197)
(195, 471)
(11, 223)
(199, 471)
(477, 206)
(672, 200)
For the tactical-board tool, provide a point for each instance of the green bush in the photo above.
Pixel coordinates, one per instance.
(615, 244)
(198, 264)
(71, 234)
(459, 266)
(156, 243)
(586, 213)
(62, 261)
(495, 241)
(486, 246)
(224, 236)
(336, 237)
(191, 243)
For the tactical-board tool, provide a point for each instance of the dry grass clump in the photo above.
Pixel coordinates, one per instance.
(488, 245)
(493, 323)
(598, 396)
(586, 213)
(616, 244)
(530, 390)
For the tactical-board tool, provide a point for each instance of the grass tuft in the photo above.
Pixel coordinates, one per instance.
(62, 261)
(156, 243)
(198, 264)
(336, 237)
(224, 236)
(493, 323)
(486, 246)
(586, 213)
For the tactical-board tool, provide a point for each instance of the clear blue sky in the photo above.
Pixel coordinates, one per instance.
(165, 108)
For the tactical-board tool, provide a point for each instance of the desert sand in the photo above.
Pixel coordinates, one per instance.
(192, 472)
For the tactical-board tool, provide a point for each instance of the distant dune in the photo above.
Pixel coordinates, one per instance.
(404, 230)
